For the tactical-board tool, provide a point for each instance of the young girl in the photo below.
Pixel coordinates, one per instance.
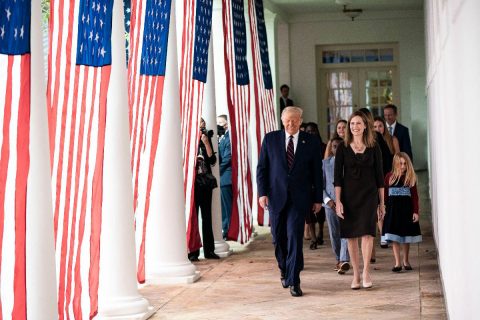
(401, 225)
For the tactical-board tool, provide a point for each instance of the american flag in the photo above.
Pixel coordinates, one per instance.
(150, 22)
(238, 99)
(14, 154)
(262, 80)
(197, 25)
(79, 74)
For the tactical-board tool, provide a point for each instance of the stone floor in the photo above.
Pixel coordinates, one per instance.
(246, 285)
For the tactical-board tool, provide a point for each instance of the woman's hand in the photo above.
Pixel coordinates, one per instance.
(339, 209)
(381, 212)
(416, 217)
(205, 139)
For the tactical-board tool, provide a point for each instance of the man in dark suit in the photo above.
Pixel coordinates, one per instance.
(285, 101)
(289, 182)
(225, 159)
(397, 129)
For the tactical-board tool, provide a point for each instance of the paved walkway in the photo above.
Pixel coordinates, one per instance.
(246, 285)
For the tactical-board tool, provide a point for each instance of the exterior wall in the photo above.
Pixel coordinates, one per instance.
(453, 113)
(405, 27)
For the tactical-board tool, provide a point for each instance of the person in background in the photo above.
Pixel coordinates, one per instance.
(312, 218)
(221, 121)
(289, 183)
(339, 245)
(398, 130)
(225, 160)
(359, 196)
(285, 101)
(401, 225)
(203, 193)
(340, 127)
(392, 142)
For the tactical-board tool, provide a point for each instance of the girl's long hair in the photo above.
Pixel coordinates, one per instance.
(410, 176)
(386, 135)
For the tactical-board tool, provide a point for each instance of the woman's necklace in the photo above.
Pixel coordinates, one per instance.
(358, 147)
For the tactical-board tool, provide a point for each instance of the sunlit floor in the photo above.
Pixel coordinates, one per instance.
(246, 285)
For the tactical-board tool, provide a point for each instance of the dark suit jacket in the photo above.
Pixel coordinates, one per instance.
(283, 105)
(225, 159)
(276, 181)
(401, 132)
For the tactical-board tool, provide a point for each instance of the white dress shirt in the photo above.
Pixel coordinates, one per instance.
(391, 126)
(295, 140)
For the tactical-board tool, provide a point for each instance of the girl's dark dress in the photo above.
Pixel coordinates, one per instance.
(360, 176)
(402, 202)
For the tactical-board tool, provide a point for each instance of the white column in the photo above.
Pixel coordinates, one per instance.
(166, 244)
(222, 248)
(40, 247)
(118, 295)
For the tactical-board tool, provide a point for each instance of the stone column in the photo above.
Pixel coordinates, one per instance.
(222, 248)
(166, 244)
(118, 296)
(40, 244)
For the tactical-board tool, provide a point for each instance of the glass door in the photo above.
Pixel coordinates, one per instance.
(377, 88)
(340, 95)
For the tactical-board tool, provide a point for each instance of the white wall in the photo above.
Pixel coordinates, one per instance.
(404, 27)
(452, 89)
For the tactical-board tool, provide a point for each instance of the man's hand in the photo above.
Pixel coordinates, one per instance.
(263, 201)
(316, 207)
(331, 204)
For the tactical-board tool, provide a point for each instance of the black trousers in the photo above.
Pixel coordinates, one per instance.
(287, 232)
(203, 201)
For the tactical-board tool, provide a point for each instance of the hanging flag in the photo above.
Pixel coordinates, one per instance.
(149, 26)
(264, 109)
(79, 73)
(197, 25)
(14, 154)
(238, 100)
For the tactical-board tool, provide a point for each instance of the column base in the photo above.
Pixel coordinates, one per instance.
(179, 273)
(222, 249)
(135, 308)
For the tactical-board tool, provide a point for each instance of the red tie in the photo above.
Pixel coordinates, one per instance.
(290, 152)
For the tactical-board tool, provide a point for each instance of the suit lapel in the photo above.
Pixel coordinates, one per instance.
(282, 150)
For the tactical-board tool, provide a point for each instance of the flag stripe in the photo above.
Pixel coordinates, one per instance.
(4, 164)
(238, 99)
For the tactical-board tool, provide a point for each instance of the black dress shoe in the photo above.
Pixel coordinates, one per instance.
(283, 280)
(193, 258)
(295, 291)
(211, 255)
(397, 269)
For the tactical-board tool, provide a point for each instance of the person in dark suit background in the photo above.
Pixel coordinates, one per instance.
(285, 101)
(397, 129)
(289, 169)
(225, 160)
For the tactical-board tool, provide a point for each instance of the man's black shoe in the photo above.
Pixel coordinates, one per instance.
(211, 255)
(283, 280)
(295, 291)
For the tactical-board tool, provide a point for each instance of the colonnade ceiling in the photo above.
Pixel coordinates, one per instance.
(292, 7)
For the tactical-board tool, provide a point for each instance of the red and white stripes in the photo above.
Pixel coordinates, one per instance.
(77, 110)
(238, 99)
(191, 101)
(145, 103)
(14, 168)
(264, 109)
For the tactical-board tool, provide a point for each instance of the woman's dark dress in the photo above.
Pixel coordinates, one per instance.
(402, 202)
(359, 175)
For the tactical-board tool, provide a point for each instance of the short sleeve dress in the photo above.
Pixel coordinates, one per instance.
(402, 202)
(360, 175)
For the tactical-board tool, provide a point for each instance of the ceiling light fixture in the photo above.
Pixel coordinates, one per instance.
(351, 13)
